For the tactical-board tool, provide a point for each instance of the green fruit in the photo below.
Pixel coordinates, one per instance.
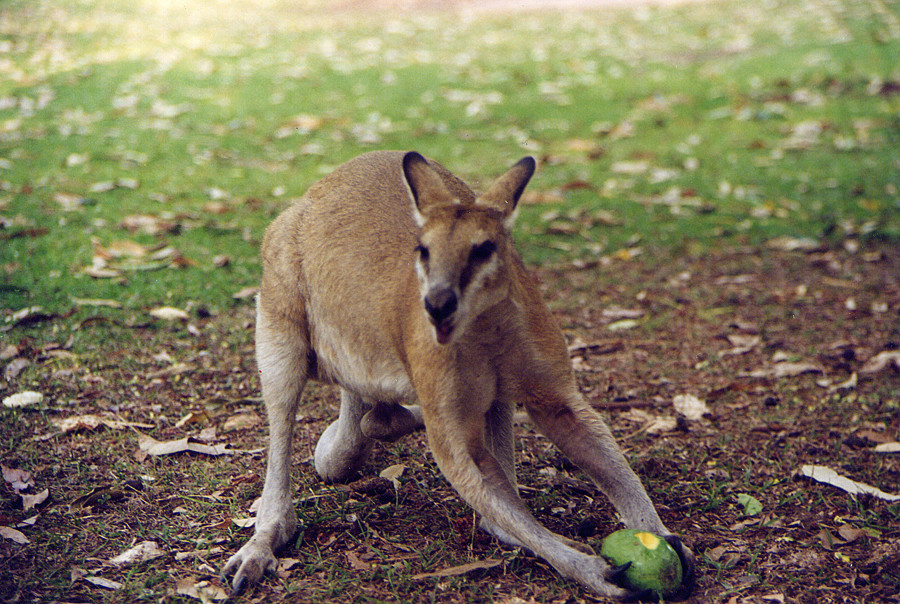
(654, 564)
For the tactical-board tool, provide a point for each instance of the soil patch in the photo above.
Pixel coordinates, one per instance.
(780, 345)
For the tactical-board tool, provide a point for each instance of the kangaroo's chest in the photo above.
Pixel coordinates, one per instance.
(359, 364)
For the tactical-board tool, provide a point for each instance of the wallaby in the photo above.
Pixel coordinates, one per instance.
(393, 280)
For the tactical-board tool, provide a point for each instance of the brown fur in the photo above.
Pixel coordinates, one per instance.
(394, 280)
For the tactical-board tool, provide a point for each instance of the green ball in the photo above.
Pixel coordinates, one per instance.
(654, 564)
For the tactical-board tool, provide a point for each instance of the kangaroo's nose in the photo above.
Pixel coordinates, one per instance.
(440, 304)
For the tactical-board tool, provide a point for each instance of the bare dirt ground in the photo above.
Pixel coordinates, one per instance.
(782, 346)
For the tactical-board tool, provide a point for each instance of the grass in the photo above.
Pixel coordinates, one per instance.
(200, 104)
(676, 143)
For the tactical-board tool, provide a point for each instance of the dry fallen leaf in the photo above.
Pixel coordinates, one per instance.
(393, 473)
(15, 367)
(96, 302)
(652, 424)
(742, 344)
(887, 448)
(30, 501)
(150, 446)
(462, 569)
(690, 406)
(622, 325)
(785, 369)
(200, 417)
(104, 583)
(148, 224)
(614, 313)
(167, 313)
(143, 551)
(13, 535)
(661, 425)
(200, 590)
(19, 480)
(849, 384)
(244, 522)
(287, 564)
(826, 475)
(881, 361)
(92, 422)
(356, 563)
(23, 399)
(241, 421)
(851, 534)
(247, 292)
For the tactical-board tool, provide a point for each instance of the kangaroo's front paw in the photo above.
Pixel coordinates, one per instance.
(249, 564)
(600, 577)
(688, 572)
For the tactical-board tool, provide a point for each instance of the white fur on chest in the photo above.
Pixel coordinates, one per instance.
(371, 369)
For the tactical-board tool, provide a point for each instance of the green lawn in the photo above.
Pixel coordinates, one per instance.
(712, 124)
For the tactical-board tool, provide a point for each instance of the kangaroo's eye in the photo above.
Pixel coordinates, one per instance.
(482, 251)
(423, 252)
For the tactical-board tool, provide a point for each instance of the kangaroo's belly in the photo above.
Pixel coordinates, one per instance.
(359, 362)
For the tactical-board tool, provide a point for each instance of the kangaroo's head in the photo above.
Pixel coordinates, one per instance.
(463, 248)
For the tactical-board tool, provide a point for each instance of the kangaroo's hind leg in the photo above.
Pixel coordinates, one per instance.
(281, 352)
(388, 421)
(343, 448)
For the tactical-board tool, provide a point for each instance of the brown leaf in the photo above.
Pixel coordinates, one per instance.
(786, 369)
(241, 421)
(148, 224)
(95, 496)
(19, 480)
(92, 422)
(881, 361)
(893, 447)
(31, 501)
(143, 551)
(876, 438)
(151, 446)
(13, 535)
(168, 313)
(356, 563)
(578, 347)
(247, 292)
(121, 248)
(200, 590)
(851, 534)
(192, 418)
(827, 539)
(462, 569)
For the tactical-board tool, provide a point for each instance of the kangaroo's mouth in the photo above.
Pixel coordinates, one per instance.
(443, 331)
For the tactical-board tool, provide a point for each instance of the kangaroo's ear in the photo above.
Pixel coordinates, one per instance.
(503, 195)
(426, 189)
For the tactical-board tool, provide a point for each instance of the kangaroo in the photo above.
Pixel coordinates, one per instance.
(392, 279)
